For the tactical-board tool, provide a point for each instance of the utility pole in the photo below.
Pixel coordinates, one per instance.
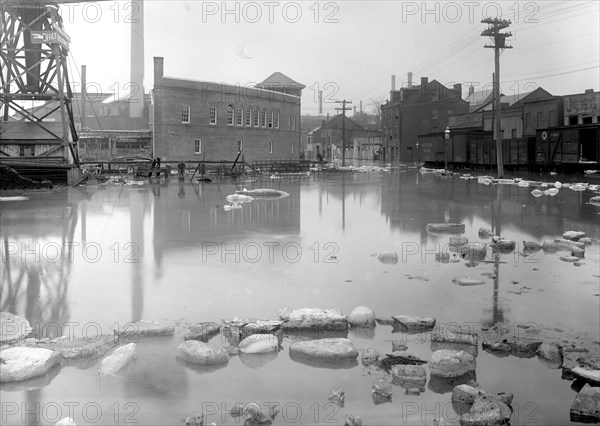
(344, 109)
(499, 39)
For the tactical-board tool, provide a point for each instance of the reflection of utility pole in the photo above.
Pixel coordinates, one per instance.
(344, 109)
(497, 314)
(493, 31)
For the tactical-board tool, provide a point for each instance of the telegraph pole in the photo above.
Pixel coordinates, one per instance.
(344, 109)
(499, 39)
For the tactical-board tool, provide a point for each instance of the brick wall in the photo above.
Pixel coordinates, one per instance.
(174, 140)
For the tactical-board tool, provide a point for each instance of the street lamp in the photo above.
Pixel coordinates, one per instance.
(418, 152)
(447, 138)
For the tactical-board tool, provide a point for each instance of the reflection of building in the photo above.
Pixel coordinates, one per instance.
(466, 201)
(214, 121)
(190, 215)
(36, 259)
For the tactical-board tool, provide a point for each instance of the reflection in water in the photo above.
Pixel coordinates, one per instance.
(136, 225)
(378, 212)
(37, 260)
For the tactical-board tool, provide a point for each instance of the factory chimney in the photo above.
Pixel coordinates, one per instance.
(136, 99)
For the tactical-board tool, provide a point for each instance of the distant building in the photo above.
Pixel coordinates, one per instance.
(577, 141)
(326, 141)
(416, 110)
(103, 125)
(582, 108)
(199, 120)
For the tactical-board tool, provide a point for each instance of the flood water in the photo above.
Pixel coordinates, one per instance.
(84, 261)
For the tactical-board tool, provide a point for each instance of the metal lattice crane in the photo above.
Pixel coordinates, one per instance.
(33, 67)
(33, 53)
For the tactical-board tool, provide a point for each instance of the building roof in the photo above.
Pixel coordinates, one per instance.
(476, 99)
(517, 99)
(278, 79)
(189, 84)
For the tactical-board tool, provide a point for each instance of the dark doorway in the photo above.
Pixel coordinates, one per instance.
(588, 140)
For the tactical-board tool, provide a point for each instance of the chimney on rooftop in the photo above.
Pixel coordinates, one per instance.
(471, 90)
(393, 82)
(458, 90)
(409, 84)
(158, 68)
(320, 102)
(424, 81)
(589, 91)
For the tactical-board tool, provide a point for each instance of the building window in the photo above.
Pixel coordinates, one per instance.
(230, 115)
(539, 119)
(435, 130)
(212, 115)
(292, 145)
(294, 123)
(263, 119)
(435, 114)
(397, 114)
(240, 145)
(310, 140)
(450, 112)
(240, 116)
(289, 122)
(248, 116)
(271, 146)
(198, 146)
(527, 120)
(256, 119)
(185, 113)
(270, 119)
(277, 119)
(513, 133)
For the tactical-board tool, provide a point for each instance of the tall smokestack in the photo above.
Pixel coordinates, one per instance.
(393, 82)
(361, 107)
(83, 95)
(409, 79)
(136, 101)
(320, 102)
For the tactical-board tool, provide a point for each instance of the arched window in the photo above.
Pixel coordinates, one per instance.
(230, 115)
(277, 119)
(270, 119)
(292, 145)
(263, 119)
(240, 116)
(256, 117)
(248, 116)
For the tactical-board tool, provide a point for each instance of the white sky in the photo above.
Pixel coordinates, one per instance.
(349, 50)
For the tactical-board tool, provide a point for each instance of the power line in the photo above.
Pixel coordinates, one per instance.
(554, 75)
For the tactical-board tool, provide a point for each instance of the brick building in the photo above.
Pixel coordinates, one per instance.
(199, 120)
(416, 110)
